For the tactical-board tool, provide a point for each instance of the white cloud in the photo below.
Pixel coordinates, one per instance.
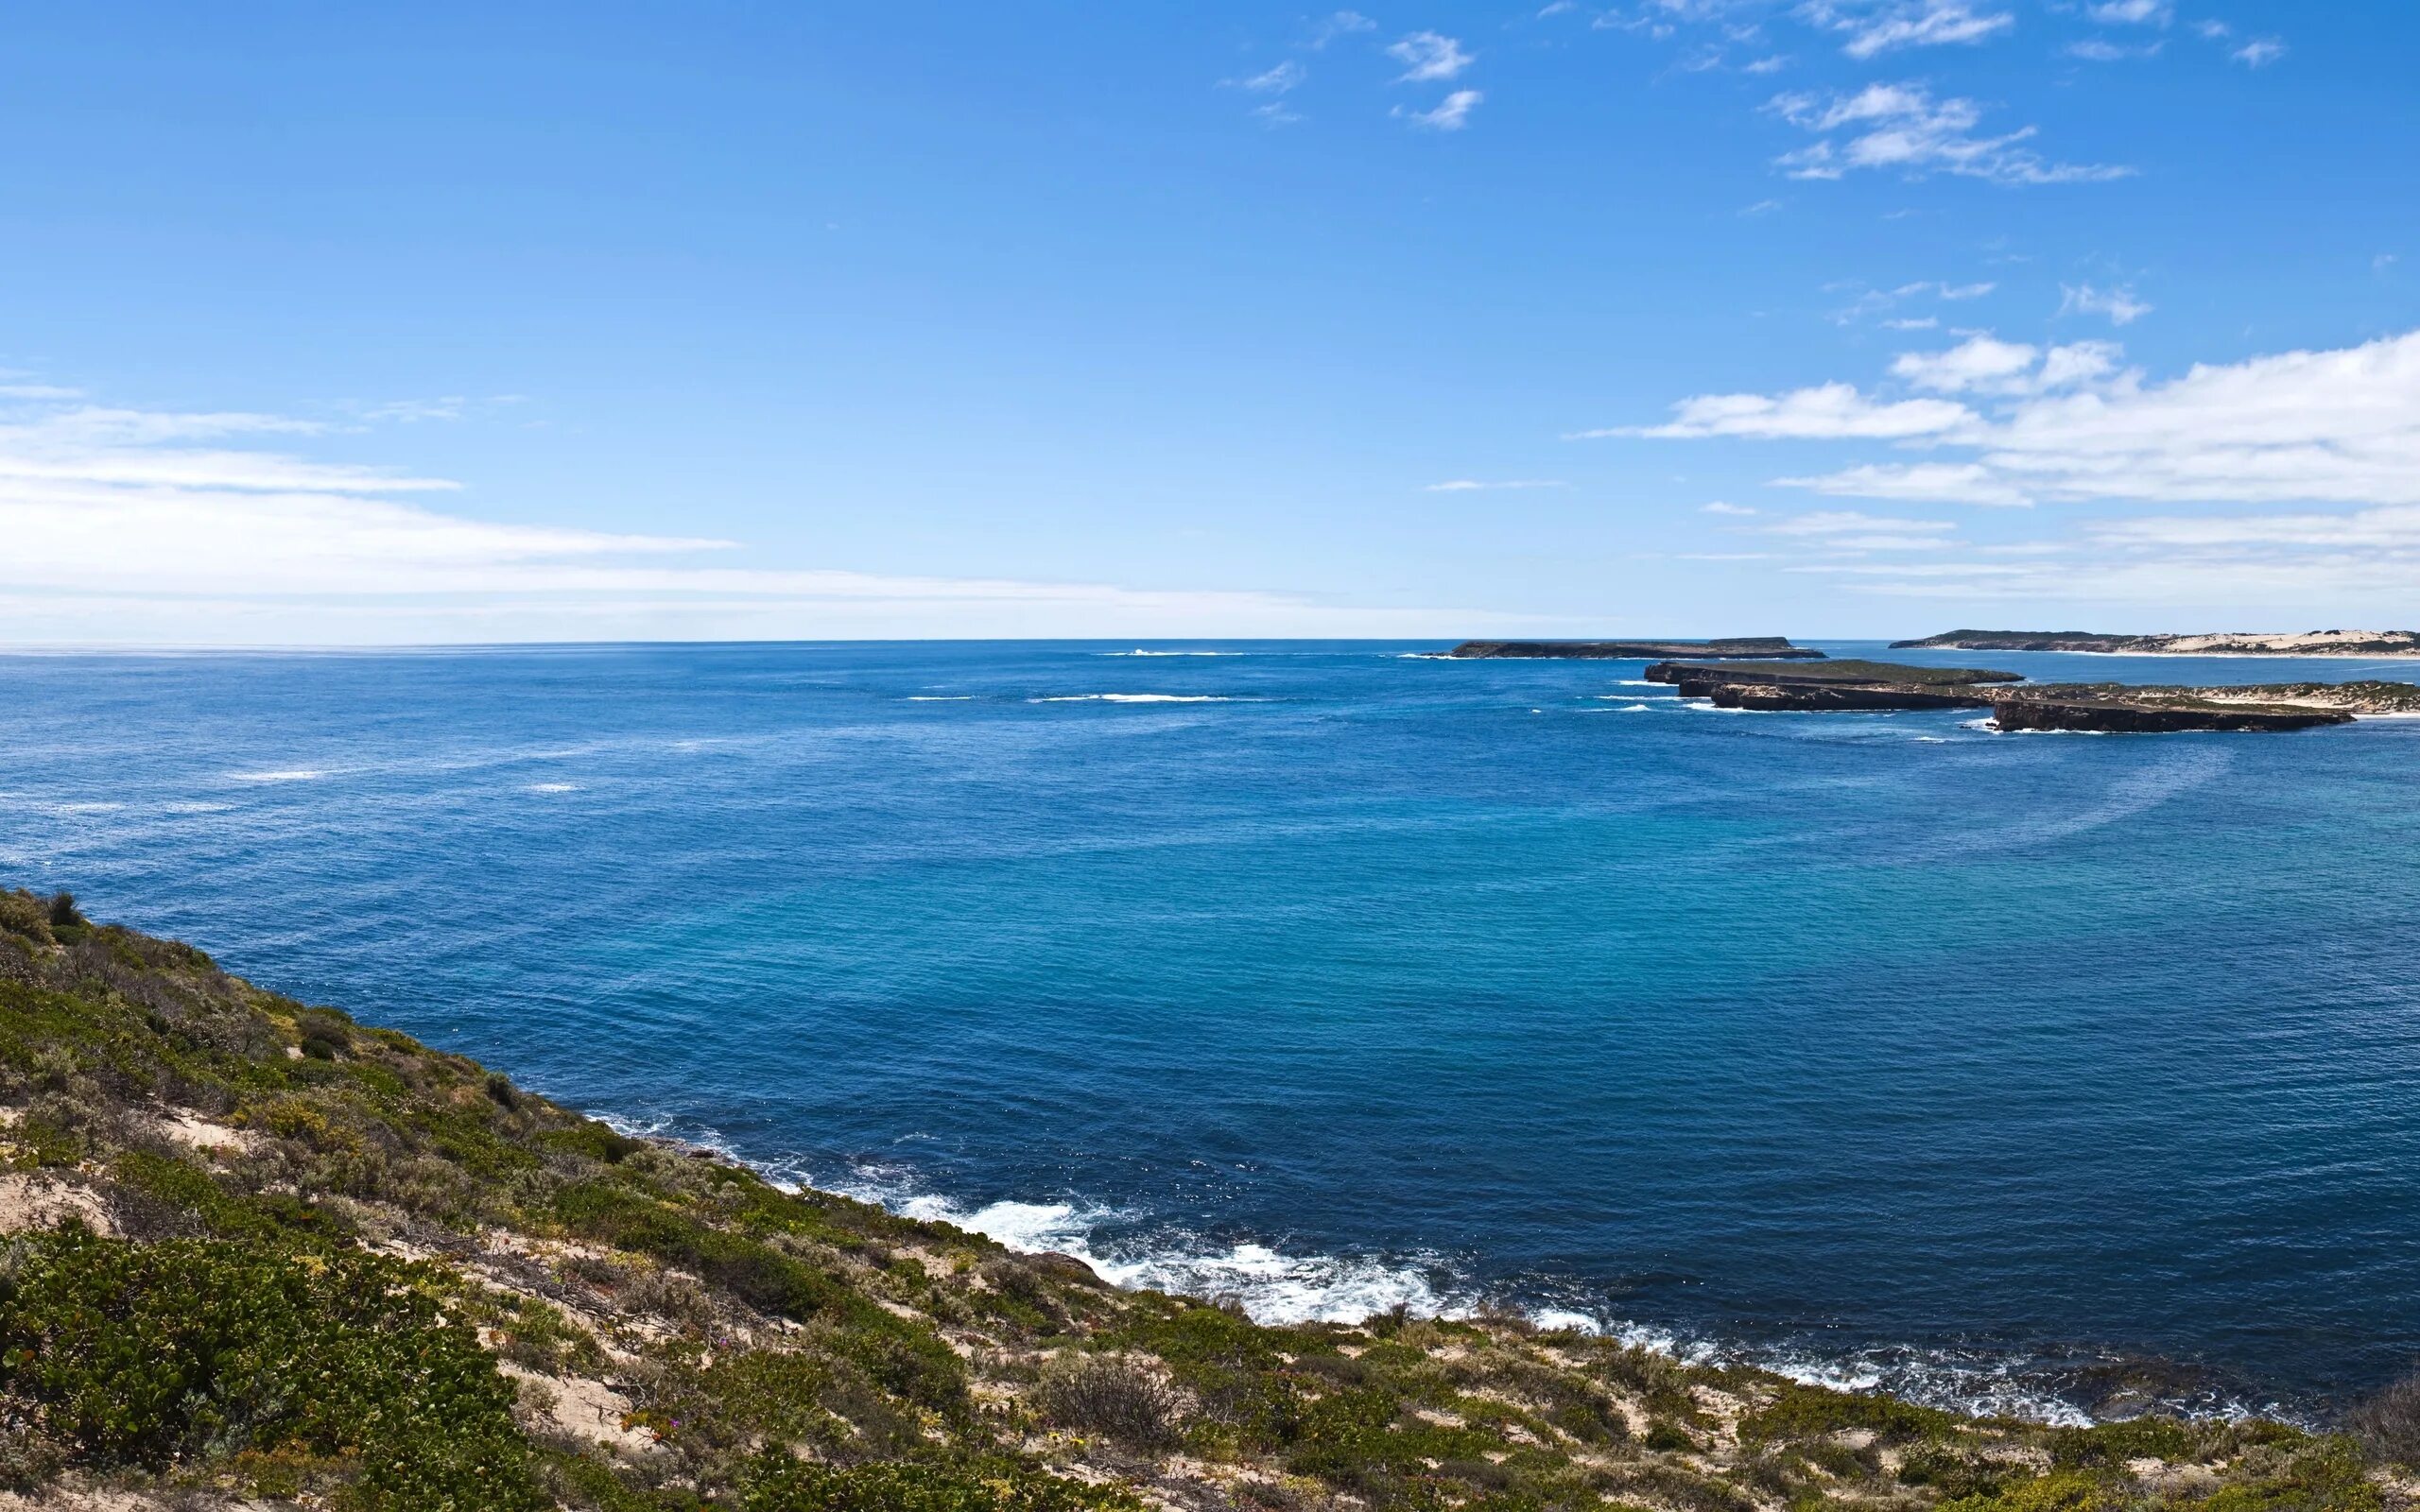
(2131, 13)
(1718, 507)
(2102, 50)
(1475, 486)
(2299, 427)
(1902, 127)
(1429, 56)
(166, 526)
(1830, 412)
(1275, 113)
(1985, 364)
(1849, 522)
(1452, 114)
(2119, 304)
(1340, 24)
(2260, 52)
(1979, 362)
(1967, 483)
(1286, 76)
(1920, 23)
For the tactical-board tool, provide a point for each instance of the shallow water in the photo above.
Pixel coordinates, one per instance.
(1331, 976)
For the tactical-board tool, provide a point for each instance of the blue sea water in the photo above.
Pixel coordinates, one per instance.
(1883, 1048)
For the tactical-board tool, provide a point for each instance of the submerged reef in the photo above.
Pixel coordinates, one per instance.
(254, 1253)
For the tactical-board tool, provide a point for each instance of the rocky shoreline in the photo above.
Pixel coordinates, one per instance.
(263, 1254)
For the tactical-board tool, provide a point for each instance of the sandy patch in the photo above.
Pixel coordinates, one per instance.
(590, 1411)
(202, 1137)
(34, 1200)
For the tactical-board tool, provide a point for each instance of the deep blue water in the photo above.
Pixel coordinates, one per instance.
(1876, 1043)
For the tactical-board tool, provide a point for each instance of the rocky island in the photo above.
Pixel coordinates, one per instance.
(2106, 708)
(1844, 684)
(258, 1255)
(2310, 642)
(1760, 648)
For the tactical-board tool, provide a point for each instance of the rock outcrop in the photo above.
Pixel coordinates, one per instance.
(1850, 684)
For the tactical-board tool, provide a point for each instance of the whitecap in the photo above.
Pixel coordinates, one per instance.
(1134, 698)
(295, 775)
(86, 808)
(554, 787)
(941, 698)
(1139, 652)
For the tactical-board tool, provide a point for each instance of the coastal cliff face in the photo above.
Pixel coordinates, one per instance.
(1773, 647)
(2307, 643)
(258, 1254)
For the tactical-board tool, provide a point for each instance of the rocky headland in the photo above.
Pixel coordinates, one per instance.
(1844, 684)
(1754, 647)
(2309, 643)
(256, 1255)
(2106, 708)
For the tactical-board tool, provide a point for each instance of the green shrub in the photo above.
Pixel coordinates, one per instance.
(2387, 1425)
(186, 1351)
(1811, 1412)
(981, 1485)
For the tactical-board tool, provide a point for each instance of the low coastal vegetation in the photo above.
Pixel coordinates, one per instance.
(258, 1254)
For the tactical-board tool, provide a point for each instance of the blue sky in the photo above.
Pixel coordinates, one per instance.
(341, 324)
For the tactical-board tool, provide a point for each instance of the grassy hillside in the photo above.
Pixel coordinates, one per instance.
(255, 1249)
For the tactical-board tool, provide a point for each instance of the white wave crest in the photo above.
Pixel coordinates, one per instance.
(1274, 1287)
(554, 787)
(1139, 652)
(1135, 697)
(941, 698)
(295, 775)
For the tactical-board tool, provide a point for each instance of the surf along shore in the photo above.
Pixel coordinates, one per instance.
(259, 1253)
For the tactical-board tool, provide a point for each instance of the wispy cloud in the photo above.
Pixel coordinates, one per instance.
(2102, 50)
(1452, 114)
(1718, 506)
(2260, 52)
(1903, 127)
(1985, 364)
(1429, 58)
(2132, 13)
(205, 527)
(1339, 24)
(1827, 412)
(1875, 30)
(1286, 75)
(2311, 427)
(1476, 486)
(2118, 305)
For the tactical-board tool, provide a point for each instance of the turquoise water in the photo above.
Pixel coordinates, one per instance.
(1880, 1047)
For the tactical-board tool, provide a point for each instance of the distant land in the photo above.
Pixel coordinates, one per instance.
(2309, 643)
(1748, 648)
(2105, 708)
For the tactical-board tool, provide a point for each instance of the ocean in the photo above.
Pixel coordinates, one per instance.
(2042, 1072)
